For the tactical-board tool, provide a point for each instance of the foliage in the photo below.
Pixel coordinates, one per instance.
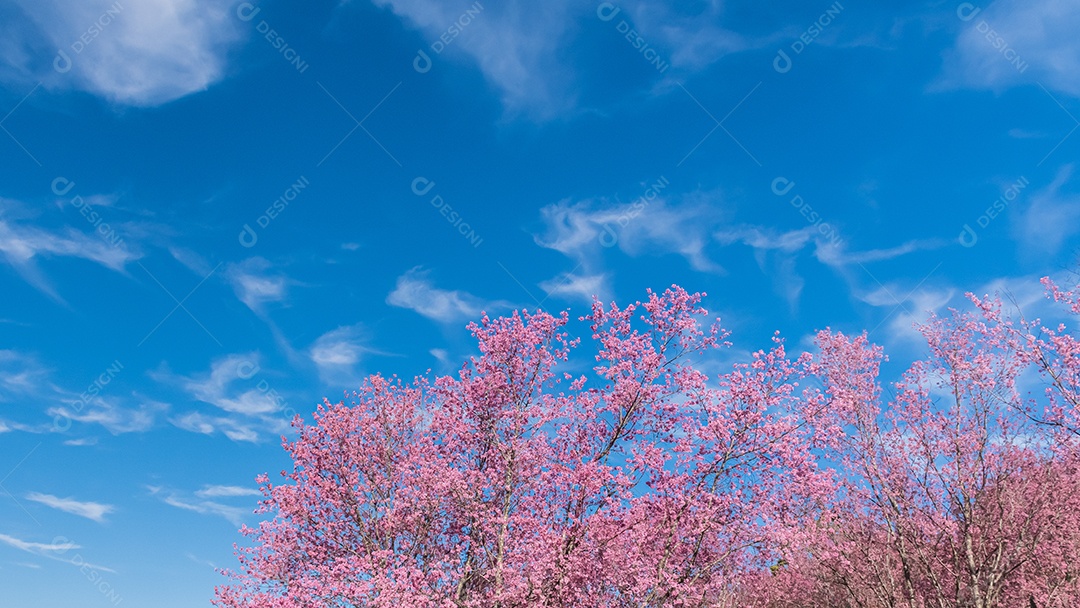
(787, 481)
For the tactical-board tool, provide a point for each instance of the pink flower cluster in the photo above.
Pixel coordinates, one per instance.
(643, 481)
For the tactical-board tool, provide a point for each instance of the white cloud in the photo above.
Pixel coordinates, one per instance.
(695, 39)
(441, 355)
(905, 310)
(22, 245)
(141, 53)
(21, 375)
(53, 550)
(90, 510)
(248, 396)
(232, 428)
(514, 44)
(835, 254)
(109, 413)
(765, 239)
(583, 230)
(40, 548)
(339, 347)
(1050, 218)
(254, 286)
(337, 352)
(416, 292)
(235, 515)
(215, 491)
(777, 252)
(579, 287)
(519, 46)
(1012, 42)
(216, 389)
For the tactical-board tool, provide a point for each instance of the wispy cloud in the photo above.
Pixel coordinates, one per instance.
(1011, 42)
(216, 387)
(90, 510)
(139, 53)
(777, 252)
(250, 403)
(39, 548)
(693, 33)
(214, 491)
(415, 291)
(905, 309)
(52, 550)
(337, 353)
(22, 375)
(113, 414)
(1051, 217)
(584, 230)
(578, 286)
(254, 284)
(514, 44)
(22, 245)
(233, 514)
(837, 255)
(234, 429)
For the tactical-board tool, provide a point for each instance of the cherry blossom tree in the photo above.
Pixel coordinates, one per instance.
(642, 482)
(964, 489)
(533, 478)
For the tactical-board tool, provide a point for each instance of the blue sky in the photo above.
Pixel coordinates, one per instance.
(213, 215)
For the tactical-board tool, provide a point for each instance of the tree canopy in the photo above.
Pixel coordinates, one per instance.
(642, 476)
